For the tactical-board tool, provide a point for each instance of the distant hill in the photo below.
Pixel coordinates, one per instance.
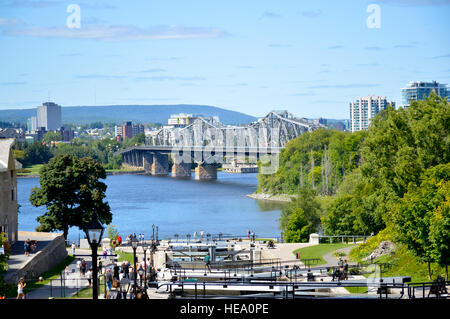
(135, 113)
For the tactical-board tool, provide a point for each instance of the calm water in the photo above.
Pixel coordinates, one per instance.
(175, 206)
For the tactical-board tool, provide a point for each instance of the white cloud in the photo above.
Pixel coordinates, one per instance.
(118, 32)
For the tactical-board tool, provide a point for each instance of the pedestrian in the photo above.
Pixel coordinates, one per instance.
(207, 261)
(89, 276)
(73, 248)
(27, 247)
(21, 288)
(248, 233)
(253, 236)
(79, 265)
(116, 270)
(66, 272)
(119, 240)
(33, 246)
(83, 267)
(143, 238)
(201, 234)
(108, 280)
(345, 270)
(100, 267)
(195, 235)
(104, 252)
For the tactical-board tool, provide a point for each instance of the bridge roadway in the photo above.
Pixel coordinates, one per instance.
(155, 159)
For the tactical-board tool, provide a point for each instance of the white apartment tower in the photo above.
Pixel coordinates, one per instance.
(49, 116)
(364, 109)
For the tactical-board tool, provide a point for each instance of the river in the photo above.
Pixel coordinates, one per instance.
(176, 206)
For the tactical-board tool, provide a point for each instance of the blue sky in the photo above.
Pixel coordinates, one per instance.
(309, 57)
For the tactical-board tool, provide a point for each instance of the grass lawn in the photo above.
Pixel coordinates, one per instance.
(47, 276)
(30, 170)
(318, 251)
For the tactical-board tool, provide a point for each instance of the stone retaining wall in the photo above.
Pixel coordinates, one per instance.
(47, 258)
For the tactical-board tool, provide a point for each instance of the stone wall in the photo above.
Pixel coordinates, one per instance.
(47, 258)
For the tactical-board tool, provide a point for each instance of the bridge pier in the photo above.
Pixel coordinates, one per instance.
(205, 172)
(181, 170)
(147, 161)
(160, 165)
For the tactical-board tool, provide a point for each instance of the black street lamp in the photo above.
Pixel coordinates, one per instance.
(94, 232)
(134, 245)
(124, 286)
(145, 247)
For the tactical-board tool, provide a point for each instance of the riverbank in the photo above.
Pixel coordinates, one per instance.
(108, 172)
(271, 197)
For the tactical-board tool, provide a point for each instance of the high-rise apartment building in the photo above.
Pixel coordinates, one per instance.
(364, 109)
(415, 91)
(49, 116)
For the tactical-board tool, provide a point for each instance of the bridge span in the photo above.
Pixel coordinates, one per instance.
(155, 159)
(208, 142)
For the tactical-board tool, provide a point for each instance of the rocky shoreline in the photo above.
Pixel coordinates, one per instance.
(272, 197)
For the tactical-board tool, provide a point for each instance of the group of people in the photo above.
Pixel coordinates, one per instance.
(29, 246)
(251, 235)
(117, 272)
(341, 272)
(140, 237)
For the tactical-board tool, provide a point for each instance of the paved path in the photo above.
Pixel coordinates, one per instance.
(283, 251)
(333, 260)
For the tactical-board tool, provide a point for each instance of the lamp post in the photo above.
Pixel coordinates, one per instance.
(94, 232)
(145, 247)
(124, 287)
(153, 236)
(134, 244)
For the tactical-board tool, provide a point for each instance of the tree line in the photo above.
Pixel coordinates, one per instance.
(393, 176)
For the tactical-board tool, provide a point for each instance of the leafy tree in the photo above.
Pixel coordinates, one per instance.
(297, 228)
(50, 137)
(305, 202)
(72, 190)
(37, 153)
(421, 217)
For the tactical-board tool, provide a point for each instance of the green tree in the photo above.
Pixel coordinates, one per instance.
(72, 190)
(305, 202)
(50, 137)
(297, 229)
(37, 153)
(421, 217)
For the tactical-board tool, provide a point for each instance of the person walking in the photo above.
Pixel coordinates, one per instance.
(345, 267)
(27, 247)
(79, 266)
(119, 240)
(109, 281)
(207, 261)
(83, 267)
(21, 288)
(73, 248)
(89, 276)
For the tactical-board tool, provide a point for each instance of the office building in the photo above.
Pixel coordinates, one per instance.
(49, 116)
(415, 91)
(364, 109)
(32, 124)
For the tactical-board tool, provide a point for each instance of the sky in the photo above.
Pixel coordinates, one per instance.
(308, 57)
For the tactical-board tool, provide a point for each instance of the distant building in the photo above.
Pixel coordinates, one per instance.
(320, 121)
(181, 120)
(364, 109)
(415, 91)
(14, 133)
(49, 116)
(32, 124)
(66, 134)
(128, 129)
(8, 191)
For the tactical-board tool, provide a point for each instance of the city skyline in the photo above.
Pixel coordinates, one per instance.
(311, 59)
